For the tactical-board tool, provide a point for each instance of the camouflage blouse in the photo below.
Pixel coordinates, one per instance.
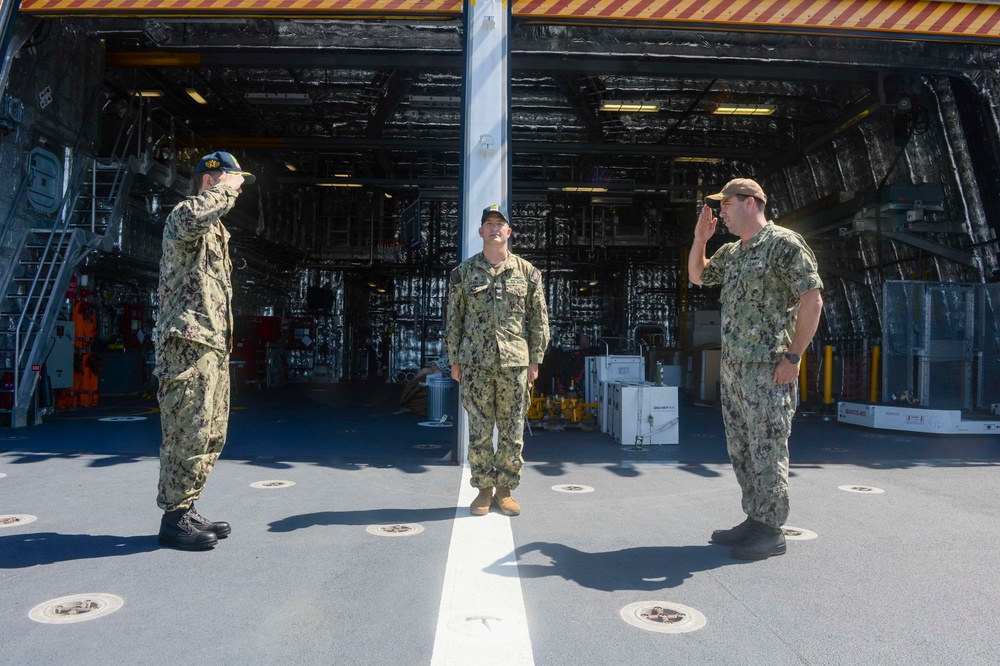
(195, 288)
(497, 317)
(761, 285)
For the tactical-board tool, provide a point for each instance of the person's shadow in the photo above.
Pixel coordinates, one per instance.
(27, 550)
(644, 568)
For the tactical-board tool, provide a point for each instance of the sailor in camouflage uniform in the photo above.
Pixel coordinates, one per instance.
(497, 333)
(771, 306)
(194, 338)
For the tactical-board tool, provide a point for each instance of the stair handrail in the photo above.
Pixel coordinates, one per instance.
(47, 264)
(57, 245)
(124, 173)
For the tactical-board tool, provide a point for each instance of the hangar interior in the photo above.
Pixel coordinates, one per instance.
(881, 151)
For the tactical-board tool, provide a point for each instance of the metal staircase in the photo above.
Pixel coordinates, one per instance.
(33, 289)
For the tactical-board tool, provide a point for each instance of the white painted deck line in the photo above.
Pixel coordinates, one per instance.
(481, 620)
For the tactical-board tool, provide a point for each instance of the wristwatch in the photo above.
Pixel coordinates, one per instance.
(794, 358)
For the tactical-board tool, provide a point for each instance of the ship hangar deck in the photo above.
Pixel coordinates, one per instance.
(903, 576)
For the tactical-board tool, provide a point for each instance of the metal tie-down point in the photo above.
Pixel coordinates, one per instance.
(76, 608)
(658, 614)
(797, 533)
(271, 484)
(16, 520)
(395, 530)
(572, 488)
(870, 490)
(663, 617)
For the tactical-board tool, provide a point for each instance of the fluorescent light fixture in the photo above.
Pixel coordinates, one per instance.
(611, 201)
(372, 285)
(698, 160)
(387, 195)
(743, 110)
(195, 95)
(584, 189)
(339, 185)
(278, 98)
(148, 93)
(631, 107)
(380, 290)
(291, 167)
(593, 283)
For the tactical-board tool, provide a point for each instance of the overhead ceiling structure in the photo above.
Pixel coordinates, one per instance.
(610, 102)
(378, 98)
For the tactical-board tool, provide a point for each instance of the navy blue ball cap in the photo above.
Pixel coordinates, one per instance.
(495, 208)
(223, 161)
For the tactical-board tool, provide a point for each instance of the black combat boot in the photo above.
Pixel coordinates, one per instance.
(177, 531)
(220, 530)
(765, 542)
(735, 535)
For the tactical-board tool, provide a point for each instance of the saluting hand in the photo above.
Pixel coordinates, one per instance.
(706, 225)
(233, 180)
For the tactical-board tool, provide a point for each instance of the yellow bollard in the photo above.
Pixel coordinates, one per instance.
(876, 351)
(803, 389)
(827, 374)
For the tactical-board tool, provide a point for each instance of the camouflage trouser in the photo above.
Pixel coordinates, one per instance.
(758, 417)
(495, 395)
(194, 414)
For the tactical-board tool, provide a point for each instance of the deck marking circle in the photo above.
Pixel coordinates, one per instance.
(645, 614)
(572, 488)
(427, 446)
(435, 424)
(16, 519)
(122, 419)
(797, 533)
(270, 485)
(397, 530)
(12, 438)
(862, 489)
(76, 608)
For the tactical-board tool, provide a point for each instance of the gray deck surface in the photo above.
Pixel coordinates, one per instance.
(903, 577)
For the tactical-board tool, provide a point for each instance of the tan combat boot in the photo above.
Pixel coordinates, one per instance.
(481, 505)
(506, 502)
